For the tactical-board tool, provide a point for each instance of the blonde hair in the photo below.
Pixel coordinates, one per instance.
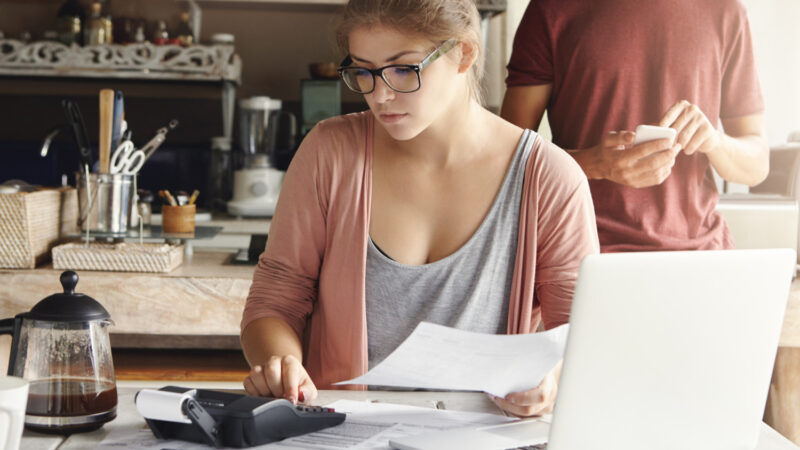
(437, 20)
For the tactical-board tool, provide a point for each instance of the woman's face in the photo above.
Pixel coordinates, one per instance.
(406, 115)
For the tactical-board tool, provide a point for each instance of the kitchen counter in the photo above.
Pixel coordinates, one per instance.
(203, 298)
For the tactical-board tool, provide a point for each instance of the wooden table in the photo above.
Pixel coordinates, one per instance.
(210, 297)
(783, 404)
(127, 416)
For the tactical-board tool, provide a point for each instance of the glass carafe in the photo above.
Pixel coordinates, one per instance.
(62, 348)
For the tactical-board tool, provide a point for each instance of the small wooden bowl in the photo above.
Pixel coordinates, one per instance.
(178, 219)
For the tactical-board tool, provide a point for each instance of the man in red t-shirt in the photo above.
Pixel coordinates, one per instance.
(602, 66)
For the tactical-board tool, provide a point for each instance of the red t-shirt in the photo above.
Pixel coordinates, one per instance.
(615, 64)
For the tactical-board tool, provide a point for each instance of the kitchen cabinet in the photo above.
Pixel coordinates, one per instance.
(217, 66)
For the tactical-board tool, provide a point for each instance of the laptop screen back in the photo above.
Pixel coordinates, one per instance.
(671, 350)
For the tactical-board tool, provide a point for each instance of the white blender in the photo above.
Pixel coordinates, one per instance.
(257, 185)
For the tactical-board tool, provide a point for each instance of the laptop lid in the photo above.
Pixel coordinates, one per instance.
(671, 350)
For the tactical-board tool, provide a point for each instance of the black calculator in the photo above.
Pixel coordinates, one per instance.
(237, 420)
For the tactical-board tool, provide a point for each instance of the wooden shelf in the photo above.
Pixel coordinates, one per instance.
(216, 63)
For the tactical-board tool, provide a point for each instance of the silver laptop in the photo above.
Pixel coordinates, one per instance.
(666, 350)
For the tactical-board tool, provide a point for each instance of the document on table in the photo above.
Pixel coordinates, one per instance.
(368, 426)
(439, 357)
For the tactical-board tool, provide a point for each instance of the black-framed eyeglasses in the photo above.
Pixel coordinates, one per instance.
(402, 78)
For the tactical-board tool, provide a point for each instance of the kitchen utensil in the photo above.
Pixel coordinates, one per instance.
(48, 139)
(126, 159)
(182, 198)
(105, 202)
(158, 139)
(106, 123)
(75, 120)
(13, 398)
(61, 346)
(116, 122)
(165, 194)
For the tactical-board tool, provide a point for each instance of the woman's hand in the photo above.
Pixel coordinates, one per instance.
(281, 377)
(535, 402)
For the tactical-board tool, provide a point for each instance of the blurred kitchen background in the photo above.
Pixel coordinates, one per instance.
(275, 41)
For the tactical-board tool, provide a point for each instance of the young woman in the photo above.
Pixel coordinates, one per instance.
(426, 207)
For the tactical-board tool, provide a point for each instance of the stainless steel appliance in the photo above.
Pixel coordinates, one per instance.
(62, 347)
(256, 186)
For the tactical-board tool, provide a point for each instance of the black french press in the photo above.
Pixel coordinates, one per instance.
(62, 347)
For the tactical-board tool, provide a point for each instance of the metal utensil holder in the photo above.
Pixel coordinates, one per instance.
(105, 201)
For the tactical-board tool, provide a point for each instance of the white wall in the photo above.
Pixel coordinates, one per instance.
(776, 32)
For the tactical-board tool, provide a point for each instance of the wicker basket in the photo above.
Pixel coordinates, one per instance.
(31, 223)
(122, 257)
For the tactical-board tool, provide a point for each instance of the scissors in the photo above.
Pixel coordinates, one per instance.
(126, 159)
(156, 141)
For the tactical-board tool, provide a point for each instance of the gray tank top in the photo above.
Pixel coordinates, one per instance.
(468, 289)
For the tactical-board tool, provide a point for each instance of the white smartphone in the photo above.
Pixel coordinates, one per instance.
(646, 133)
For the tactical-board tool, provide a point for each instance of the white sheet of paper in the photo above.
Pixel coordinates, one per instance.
(439, 357)
(368, 426)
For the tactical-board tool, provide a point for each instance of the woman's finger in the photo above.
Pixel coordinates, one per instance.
(250, 388)
(259, 384)
(308, 391)
(517, 410)
(530, 397)
(273, 373)
(291, 378)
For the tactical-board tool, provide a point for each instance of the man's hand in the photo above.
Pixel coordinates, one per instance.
(535, 402)
(639, 166)
(695, 131)
(281, 377)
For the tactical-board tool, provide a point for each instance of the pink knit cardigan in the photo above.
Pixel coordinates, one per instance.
(311, 274)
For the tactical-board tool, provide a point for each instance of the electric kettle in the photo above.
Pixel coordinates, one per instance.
(62, 347)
